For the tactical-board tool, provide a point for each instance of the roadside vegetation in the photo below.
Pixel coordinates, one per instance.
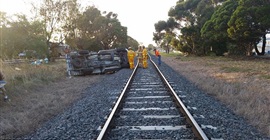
(36, 93)
(242, 84)
(25, 75)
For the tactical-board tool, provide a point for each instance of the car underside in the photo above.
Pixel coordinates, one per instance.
(105, 61)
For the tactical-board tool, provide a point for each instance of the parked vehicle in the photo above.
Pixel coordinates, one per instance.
(105, 61)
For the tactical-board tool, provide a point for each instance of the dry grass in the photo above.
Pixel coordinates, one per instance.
(242, 84)
(37, 93)
(25, 76)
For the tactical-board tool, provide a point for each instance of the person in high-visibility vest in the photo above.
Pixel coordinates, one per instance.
(140, 57)
(131, 55)
(158, 56)
(145, 57)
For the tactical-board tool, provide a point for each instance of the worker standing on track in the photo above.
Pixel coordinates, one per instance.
(140, 57)
(144, 57)
(158, 56)
(131, 55)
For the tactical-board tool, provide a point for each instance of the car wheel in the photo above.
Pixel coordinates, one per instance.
(77, 62)
(83, 52)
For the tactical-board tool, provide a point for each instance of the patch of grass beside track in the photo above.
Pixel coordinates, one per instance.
(242, 83)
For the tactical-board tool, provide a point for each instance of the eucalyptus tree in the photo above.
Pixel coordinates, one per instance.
(18, 34)
(131, 42)
(184, 13)
(167, 41)
(158, 37)
(28, 36)
(249, 23)
(160, 26)
(56, 16)
(112, 34)
(264, 20)
(5, 37)
(97, 31)
(164, 33)
(191, 16)
(86, 37)
(69, 28)
(214, 31)
(52, 14)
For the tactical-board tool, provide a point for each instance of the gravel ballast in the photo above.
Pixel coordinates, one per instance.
(83, 118)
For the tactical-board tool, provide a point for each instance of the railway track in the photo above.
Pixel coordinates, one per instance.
(148, 108)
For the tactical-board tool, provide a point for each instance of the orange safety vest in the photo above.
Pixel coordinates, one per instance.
(157, 53)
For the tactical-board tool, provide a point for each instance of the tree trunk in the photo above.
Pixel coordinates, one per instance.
(264, 44)
(249, 49)
(167, 48)
(48, 50)
(256, 48)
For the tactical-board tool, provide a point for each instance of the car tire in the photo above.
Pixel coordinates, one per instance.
(83, 52)
(77, 62)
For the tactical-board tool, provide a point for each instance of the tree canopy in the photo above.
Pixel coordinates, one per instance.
(20, 35)
(62, 21)
(219, 26)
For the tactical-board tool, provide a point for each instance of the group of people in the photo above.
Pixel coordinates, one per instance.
(142, 55)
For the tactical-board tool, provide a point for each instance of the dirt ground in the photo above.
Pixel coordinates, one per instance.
(29, 109)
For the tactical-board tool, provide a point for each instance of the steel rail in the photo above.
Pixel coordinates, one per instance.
(107, 123)
(195, 127)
